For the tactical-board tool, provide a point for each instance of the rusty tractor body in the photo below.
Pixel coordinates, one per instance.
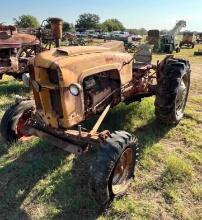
(187, 40)
(73, 84)
(15, 50)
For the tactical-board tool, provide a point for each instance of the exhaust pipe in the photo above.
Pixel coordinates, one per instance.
(56, 27)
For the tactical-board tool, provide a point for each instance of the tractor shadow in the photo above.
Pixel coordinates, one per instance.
(19, 175)
(67, 189)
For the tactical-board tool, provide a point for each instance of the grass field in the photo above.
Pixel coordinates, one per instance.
(39, 181)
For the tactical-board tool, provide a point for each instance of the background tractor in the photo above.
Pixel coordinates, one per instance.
(153, 38)
(168, 42)
(187, 40)
(199, 38)
(73, 84)
(17, 48)
(15, 51)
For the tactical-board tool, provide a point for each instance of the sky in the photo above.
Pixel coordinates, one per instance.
(150, 14)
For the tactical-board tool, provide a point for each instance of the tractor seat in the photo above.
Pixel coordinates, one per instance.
(143, 57)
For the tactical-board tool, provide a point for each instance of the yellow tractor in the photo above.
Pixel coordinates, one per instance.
(73, 84)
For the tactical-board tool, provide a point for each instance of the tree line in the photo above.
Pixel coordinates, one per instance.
(86, 21)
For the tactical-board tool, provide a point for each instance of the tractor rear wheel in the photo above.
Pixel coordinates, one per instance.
(14, 120)
(113, 169)
(172, 91)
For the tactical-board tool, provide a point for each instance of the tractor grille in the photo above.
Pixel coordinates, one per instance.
(53, 76)
(56, 102)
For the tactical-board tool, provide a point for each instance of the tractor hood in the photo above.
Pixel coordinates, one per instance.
(46, 58)
(18, 38)
(77, 62)
(9, 43)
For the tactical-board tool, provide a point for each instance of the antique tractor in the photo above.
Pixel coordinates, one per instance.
(73, 84)
(15, 51)
(187, 40)
(17, 48)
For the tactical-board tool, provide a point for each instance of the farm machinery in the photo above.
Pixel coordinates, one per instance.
(73, 40)
(153, 38)
(16, 49)
(166, 43)
(73, 84)
(199, 38)
(187, 40)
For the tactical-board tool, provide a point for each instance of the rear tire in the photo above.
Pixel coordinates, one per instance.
(113, 169)
(14, 119)
(172, 91)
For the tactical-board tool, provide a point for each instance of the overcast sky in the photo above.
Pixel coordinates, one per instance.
(151, 14)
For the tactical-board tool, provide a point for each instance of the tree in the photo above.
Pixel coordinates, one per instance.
(112, 25)
(68, 26)
(26, 21)
(88, 21)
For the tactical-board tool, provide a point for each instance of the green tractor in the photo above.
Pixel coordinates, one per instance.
(168, 44)
(165, 43)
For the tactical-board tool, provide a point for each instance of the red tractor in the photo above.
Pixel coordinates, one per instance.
(187, 40)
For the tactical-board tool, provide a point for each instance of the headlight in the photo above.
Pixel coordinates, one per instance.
(75, 89)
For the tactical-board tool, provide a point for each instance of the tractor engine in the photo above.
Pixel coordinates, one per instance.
(100, 90)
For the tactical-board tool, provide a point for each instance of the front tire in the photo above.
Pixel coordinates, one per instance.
(14, 119)
(113, 169)
(172, 91)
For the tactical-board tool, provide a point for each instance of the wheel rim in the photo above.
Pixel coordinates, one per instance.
(123, 171)
(182, 95)
(21, 135)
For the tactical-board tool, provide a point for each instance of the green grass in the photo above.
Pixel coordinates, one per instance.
(177, 169)
(39, 181)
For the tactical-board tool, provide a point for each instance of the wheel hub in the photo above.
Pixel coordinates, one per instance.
(181, 95)
(20, 126)
(122, 173)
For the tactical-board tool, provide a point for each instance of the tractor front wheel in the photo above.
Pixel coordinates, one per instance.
(14, 120)
(113, 169)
